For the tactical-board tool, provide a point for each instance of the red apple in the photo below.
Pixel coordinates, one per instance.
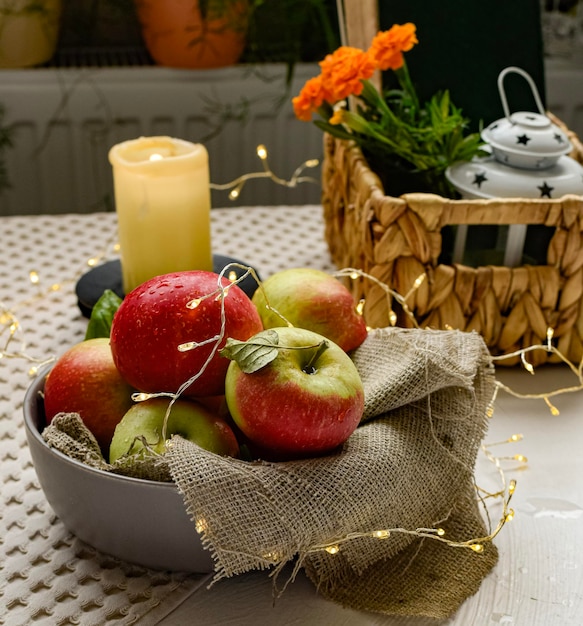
(215, 404)
(306, 401)
(144, 421)
(312, 299)
(85, 380)
(154, 320)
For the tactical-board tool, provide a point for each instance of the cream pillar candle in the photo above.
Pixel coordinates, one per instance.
(162, 199)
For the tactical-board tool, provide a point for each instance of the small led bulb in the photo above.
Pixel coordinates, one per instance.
(382, 534)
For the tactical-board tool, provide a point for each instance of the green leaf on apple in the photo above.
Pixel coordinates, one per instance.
(102, 315)
(253, 354)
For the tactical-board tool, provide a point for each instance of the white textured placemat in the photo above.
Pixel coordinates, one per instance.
(47, 576)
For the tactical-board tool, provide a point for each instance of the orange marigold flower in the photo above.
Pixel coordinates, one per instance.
(309, 99)
(343, 72)
(388, 46)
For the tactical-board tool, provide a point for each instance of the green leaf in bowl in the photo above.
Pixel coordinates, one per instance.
(102, 315)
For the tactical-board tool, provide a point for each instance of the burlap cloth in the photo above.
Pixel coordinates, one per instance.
(410, 465)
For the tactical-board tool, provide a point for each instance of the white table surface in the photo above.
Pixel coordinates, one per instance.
(49, 577)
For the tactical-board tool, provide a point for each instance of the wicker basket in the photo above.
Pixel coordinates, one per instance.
(396, 240)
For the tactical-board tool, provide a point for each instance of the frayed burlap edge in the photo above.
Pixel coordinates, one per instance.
(427, 578)
(409, 465)
(68, 434)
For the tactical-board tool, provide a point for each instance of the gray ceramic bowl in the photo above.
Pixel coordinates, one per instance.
(139, 521)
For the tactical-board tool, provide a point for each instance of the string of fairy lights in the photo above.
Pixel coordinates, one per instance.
(297, 178)
(9, 323)
(11, 331)
(548, 346)
(505, 493)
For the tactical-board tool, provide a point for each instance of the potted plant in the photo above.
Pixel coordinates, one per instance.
(194, 33)
(408, 143)
(29, 30)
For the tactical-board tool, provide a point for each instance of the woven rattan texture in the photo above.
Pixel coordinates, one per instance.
(48, 577)
(396, 240)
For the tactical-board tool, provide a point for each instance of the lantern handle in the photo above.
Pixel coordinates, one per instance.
(529, 80)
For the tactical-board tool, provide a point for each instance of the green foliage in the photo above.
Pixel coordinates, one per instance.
(254, 354)
(102, 315)
(262, 349)
(396, 131)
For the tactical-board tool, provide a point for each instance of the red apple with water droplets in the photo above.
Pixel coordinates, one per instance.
(155, 319)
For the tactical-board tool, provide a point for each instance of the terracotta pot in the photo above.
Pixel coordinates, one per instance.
(177, 35)
(29, 30)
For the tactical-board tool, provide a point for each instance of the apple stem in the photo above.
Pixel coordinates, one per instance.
(309, 366)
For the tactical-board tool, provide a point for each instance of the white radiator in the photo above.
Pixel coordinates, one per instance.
(66, 120)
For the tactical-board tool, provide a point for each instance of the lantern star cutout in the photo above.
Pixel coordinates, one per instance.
(545, 190)
(479, 178)
(559, 138)
(523, 139)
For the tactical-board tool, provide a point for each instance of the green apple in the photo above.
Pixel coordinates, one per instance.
(144, 421)
(307, 400)
(85, 380)
(312, 299)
